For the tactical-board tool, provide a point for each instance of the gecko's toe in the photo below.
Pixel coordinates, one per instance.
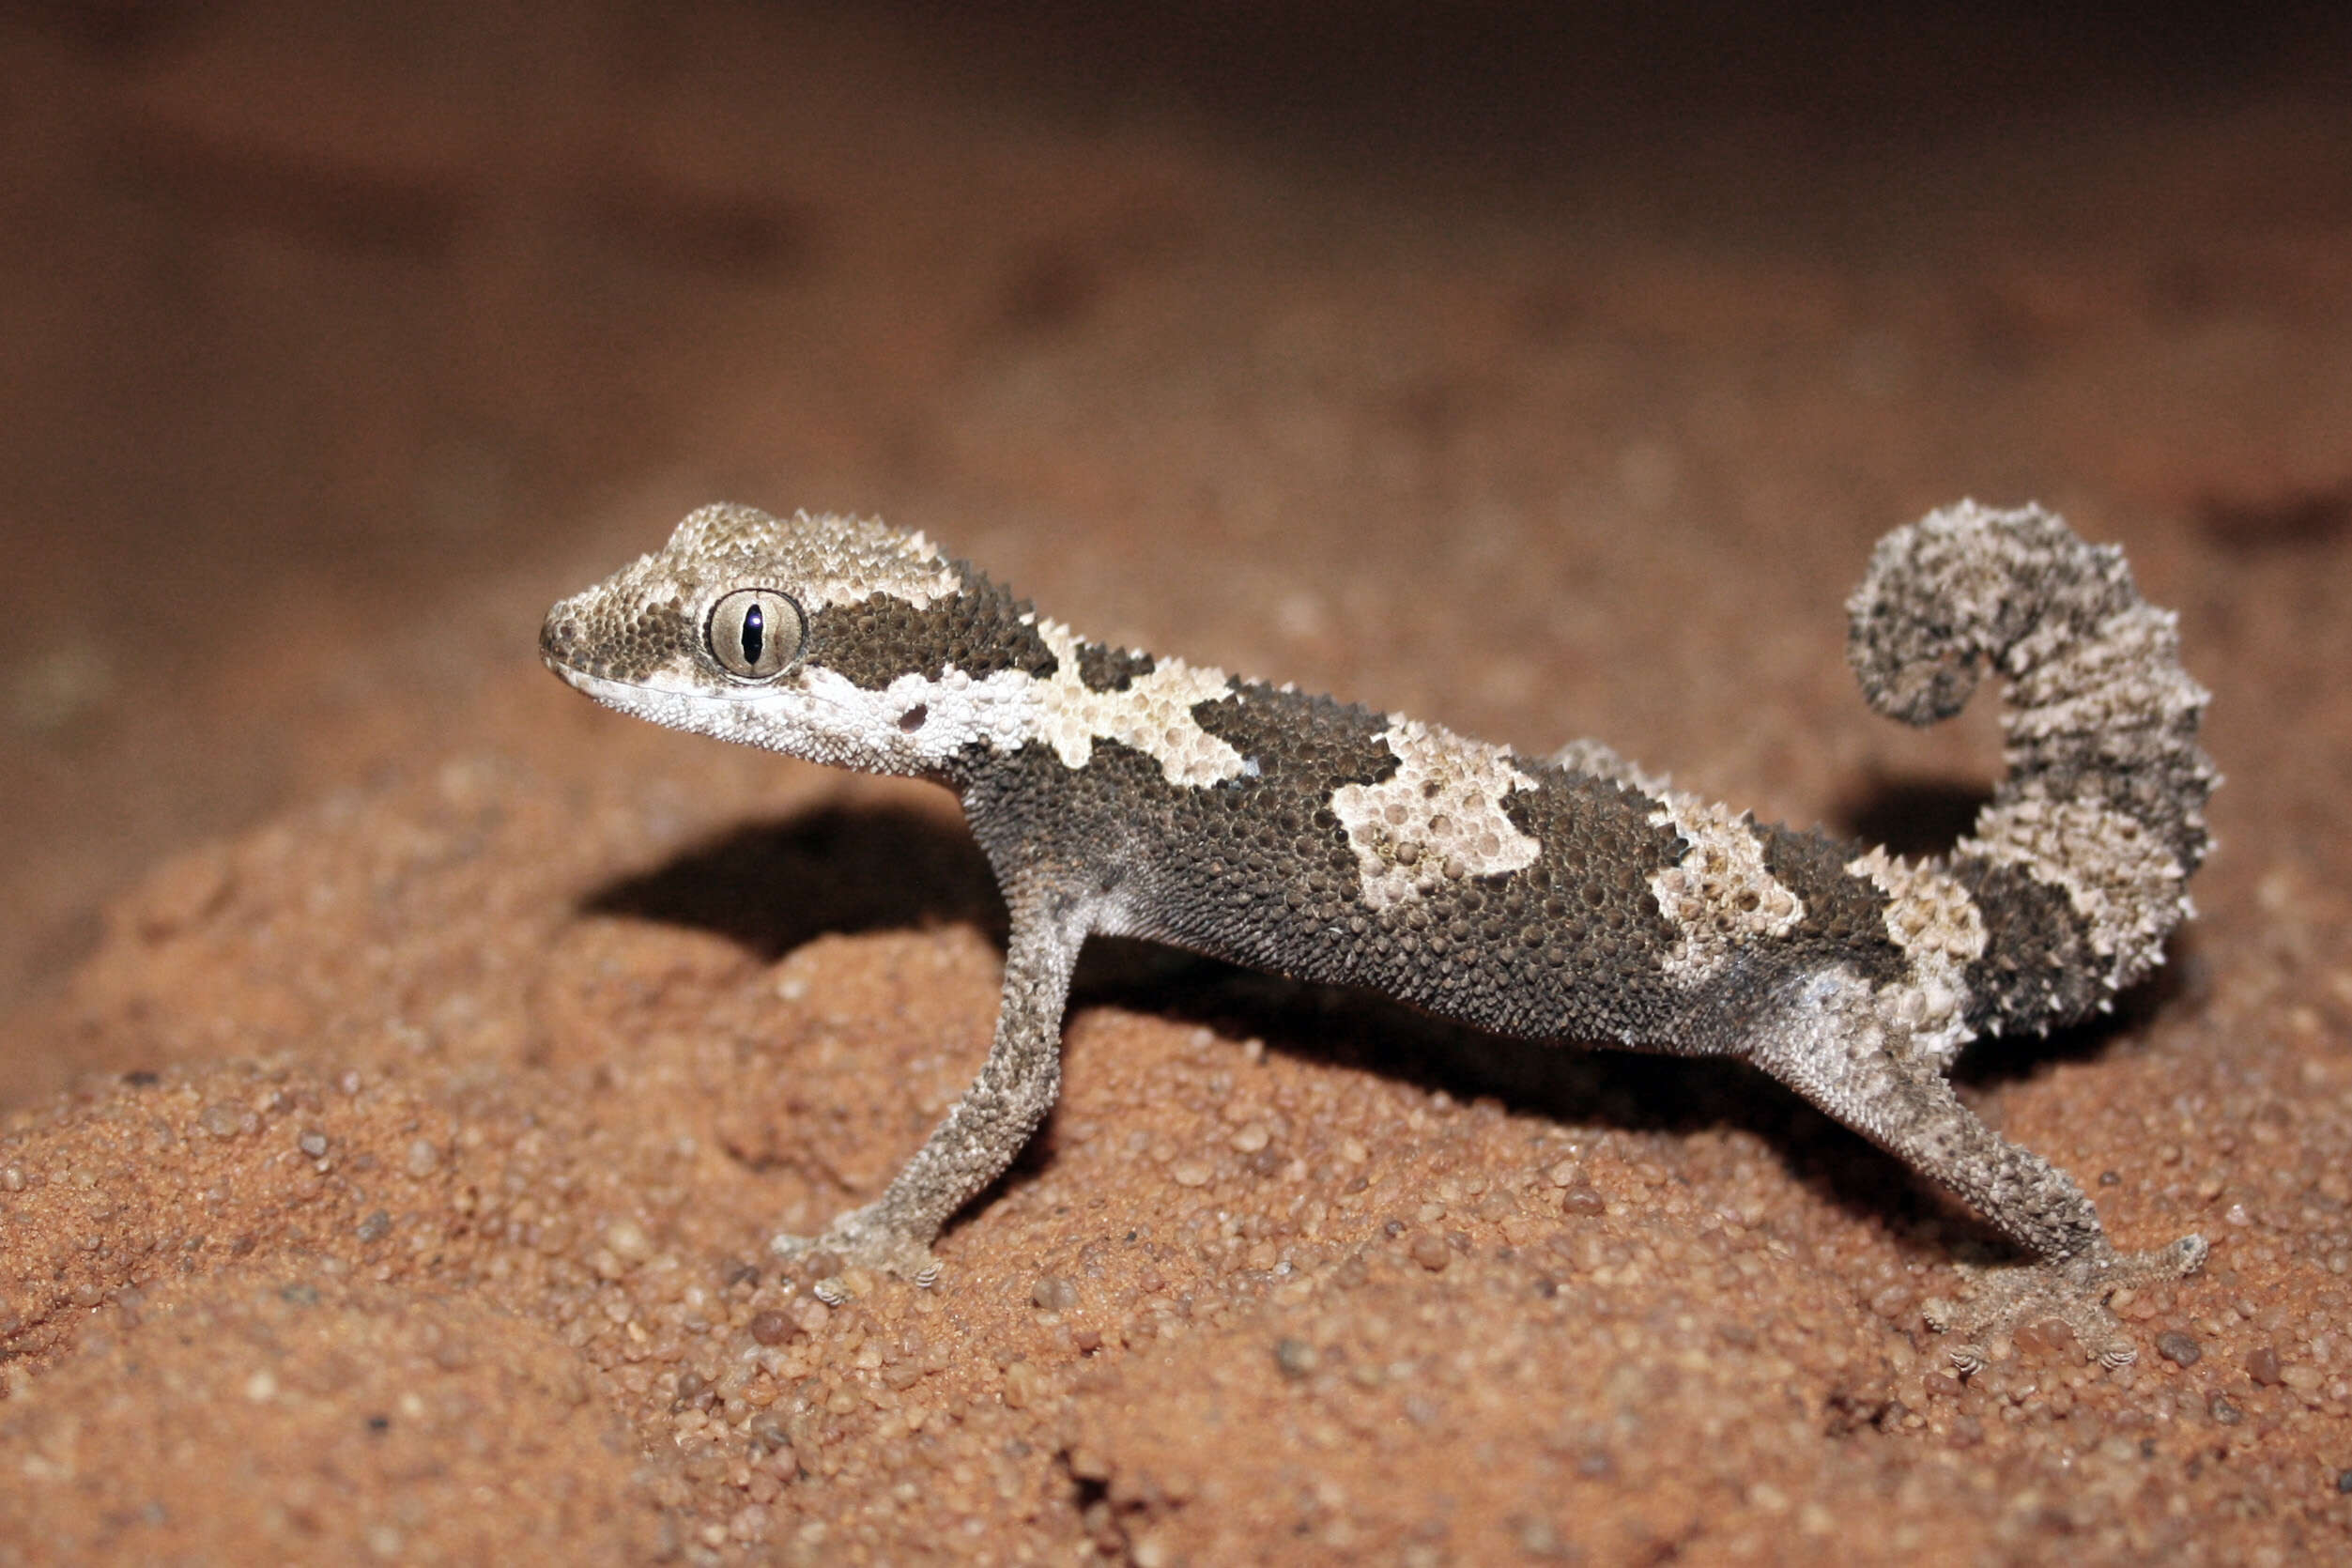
(2183, 1257)
(860, 1240)
(2074, 1292)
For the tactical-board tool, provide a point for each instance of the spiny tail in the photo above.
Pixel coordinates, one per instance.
(2078, 865)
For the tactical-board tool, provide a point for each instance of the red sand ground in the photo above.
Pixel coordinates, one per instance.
(406, 1062)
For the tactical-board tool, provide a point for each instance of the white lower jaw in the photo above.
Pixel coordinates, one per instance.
(822, 716)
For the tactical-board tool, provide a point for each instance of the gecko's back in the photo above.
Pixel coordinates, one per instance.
(1350, 848)
(1572, 897)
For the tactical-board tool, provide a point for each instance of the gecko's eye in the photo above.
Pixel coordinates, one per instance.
(754, 632)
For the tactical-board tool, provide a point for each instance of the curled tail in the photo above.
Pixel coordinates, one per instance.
(2078, 865)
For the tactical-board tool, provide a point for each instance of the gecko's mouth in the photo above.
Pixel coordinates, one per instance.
(562, 656)
(587, 678)
(575, 677)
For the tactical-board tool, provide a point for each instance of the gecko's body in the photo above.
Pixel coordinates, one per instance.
(1569, 899)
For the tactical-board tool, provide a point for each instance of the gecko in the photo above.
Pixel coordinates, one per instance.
(1569, 899)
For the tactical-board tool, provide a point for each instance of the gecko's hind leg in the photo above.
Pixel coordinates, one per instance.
(1836, 1045)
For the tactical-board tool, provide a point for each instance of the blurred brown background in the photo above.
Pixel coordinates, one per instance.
(333, 338)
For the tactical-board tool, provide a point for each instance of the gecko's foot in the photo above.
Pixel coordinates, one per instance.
(861, 1238)
(2072, 1290)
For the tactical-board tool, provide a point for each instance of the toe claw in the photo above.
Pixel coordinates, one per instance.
(861, 1240)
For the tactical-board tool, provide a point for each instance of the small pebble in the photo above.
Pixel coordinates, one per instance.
(2179, 1349)
(629, 1241)
(770, 1328)
(2043, 1336)
(1295, 1356)
(1431, 1252)
(1052, 1293)
(2262, 1365)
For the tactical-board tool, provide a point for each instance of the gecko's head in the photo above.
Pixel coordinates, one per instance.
(834, 639)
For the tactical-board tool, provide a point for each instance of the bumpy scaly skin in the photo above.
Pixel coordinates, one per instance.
(1564, 899)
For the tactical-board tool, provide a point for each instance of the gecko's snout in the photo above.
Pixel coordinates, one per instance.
(560, 638)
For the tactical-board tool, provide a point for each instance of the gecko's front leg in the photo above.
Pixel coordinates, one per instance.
(988, 1126)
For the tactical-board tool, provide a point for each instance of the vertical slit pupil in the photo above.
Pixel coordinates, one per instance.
(754, 633)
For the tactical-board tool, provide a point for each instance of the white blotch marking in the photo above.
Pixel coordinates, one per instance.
(2119, 876)
(1930, 916)
(1154, 714)
(1720, 896)
(1438, 818)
